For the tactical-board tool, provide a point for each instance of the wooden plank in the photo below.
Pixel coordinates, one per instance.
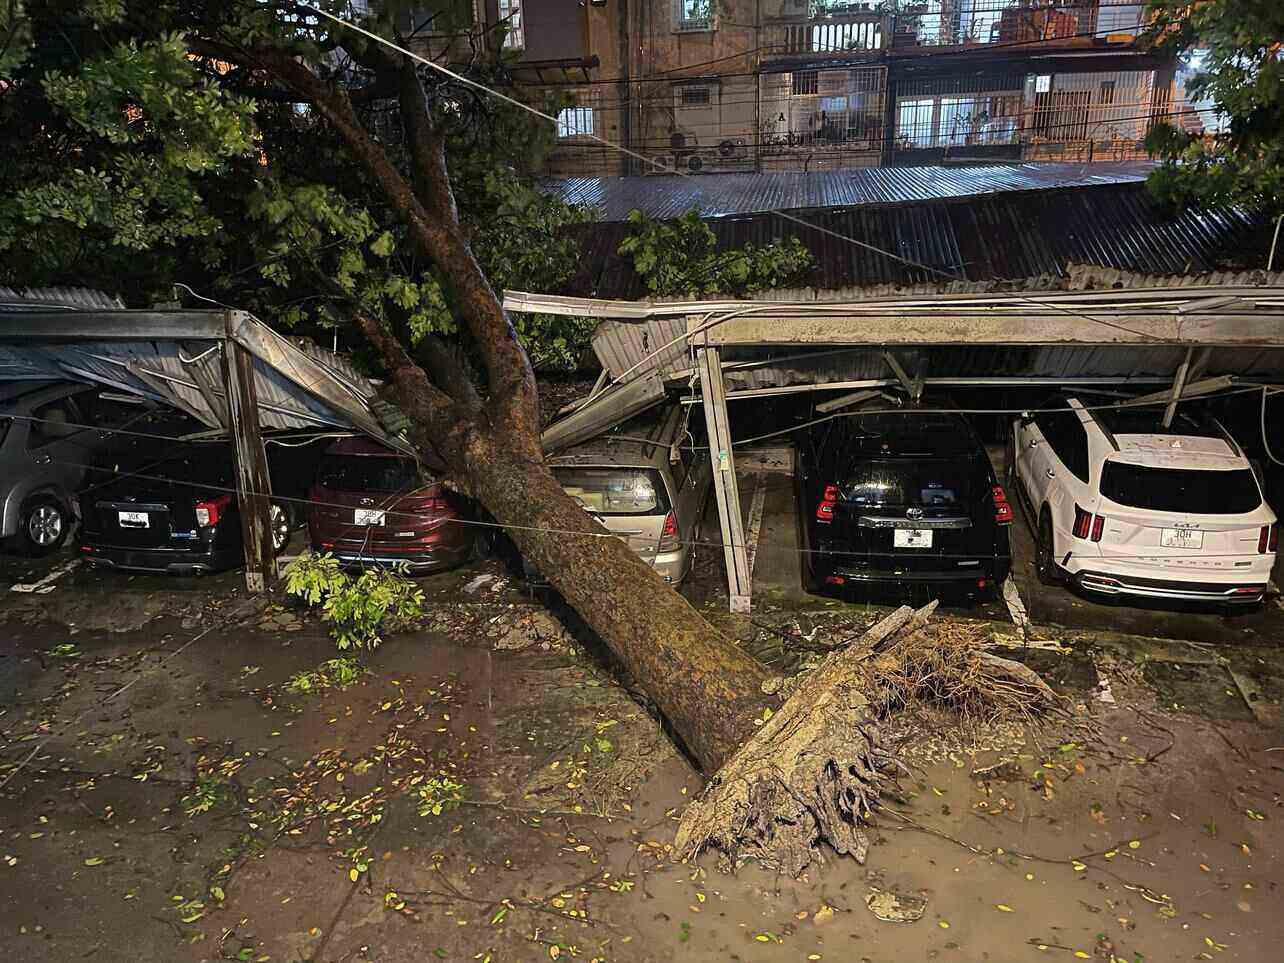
(253, 482)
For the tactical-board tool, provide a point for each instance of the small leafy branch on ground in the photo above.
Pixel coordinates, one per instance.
(681, 257)
(438, 794)
(356, 609)
(210, 790)
(332, 674)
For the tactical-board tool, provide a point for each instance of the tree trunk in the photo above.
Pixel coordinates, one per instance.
(706, 686)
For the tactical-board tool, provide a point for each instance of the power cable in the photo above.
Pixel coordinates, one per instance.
(467, 81)
(392, 497)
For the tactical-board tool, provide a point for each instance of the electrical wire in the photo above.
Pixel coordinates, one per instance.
(544, 530)
(784, 215)
(1266, 444)
(392, 498)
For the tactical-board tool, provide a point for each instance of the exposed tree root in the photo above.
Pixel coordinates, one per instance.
(814, 771)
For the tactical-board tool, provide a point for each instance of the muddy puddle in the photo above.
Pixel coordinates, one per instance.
(246, 797)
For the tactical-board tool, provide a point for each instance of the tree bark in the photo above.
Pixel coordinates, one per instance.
(704, 685)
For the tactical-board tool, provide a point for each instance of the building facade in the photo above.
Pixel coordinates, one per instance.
(710, 86)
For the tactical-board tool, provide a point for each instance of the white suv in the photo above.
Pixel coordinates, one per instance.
(1122, 506)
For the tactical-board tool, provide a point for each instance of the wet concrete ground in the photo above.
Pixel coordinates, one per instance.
(181, 804)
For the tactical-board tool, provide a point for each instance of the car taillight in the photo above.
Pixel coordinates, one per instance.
(825, 510)
(208, 510)
(1268, 539)
(1082, 523)
(1002, 508)
(669, 541)
(1088, 525)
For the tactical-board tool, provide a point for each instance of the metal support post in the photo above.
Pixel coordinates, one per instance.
(1179, 382)
(253, 483)
(714, 393)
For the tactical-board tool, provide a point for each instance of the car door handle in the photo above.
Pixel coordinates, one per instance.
(1052, 473)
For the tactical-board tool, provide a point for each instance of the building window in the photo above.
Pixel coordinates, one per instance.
(692, 14)
(575, 122)
(695, 96)
(915, 126)
(510, 14)
(1107, 92)
(806, 82)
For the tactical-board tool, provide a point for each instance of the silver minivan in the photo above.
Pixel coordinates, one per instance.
(648, 482)
(49, 432)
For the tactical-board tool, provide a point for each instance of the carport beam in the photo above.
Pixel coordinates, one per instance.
(253, 483)
(727, 492)
(1179, 382)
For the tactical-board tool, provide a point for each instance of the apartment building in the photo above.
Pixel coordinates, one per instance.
(806, 85)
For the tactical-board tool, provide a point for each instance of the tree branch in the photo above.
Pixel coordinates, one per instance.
(432, 220)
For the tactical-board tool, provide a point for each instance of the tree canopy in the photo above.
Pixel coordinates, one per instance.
(1235, 51)
(136, 156)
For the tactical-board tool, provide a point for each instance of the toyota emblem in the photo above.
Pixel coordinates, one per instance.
(913, 513)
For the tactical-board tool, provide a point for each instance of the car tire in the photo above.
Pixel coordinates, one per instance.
(1046, 568)
(281, 523)
(43, 525)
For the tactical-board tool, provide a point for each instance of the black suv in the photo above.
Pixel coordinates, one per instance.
(901, 501)
(176, 510)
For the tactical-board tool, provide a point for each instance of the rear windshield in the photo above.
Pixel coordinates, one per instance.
(925, 482)
(368, 473)
(1189, 491)
(616, 491)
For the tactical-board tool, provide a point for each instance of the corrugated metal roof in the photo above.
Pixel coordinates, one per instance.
(1003, 237)
(724, 195)
(298, 384)
(45, 299)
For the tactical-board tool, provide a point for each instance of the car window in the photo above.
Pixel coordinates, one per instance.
(53, 422)
(925, 482)
(616, 491)
(1190, 491)
(368, 473)
(1066, 436)
(107, 412)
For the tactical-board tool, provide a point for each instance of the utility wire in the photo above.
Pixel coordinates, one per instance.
(391, 498)
(467, 81)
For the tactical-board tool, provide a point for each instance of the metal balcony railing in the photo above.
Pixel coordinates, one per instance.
(951, 23)
(827, 36)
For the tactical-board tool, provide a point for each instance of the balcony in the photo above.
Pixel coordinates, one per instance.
(1016, 23)
(831, 36)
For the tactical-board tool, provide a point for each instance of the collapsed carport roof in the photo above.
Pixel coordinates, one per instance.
(1175, 333)
(175, 357)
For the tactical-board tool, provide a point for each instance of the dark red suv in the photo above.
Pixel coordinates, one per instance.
(372, 506)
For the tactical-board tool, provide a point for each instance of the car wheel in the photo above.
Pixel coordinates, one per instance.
(1045, 561)
(43, 525)
(281, 525)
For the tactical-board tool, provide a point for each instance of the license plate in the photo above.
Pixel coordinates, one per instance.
(1181, 538)
(369, 516)
(912, 538)
(133, 519)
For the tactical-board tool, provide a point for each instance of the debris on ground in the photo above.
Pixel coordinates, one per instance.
(815, 769)
(893, 908)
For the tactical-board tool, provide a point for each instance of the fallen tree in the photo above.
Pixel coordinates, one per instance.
(130, 99)
(814, 772)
